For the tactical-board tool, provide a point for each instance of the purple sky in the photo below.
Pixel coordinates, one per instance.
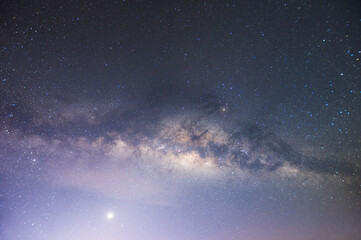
(180, 120)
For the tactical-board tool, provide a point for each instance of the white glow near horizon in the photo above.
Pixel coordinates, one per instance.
(110, 215)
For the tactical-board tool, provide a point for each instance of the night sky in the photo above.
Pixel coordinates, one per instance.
(180, 120)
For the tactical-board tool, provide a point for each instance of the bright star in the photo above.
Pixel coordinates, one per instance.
(110, 215)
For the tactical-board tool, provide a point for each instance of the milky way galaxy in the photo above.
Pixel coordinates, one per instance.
(180, 120)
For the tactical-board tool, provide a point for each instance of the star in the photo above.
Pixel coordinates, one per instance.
(110, 215)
